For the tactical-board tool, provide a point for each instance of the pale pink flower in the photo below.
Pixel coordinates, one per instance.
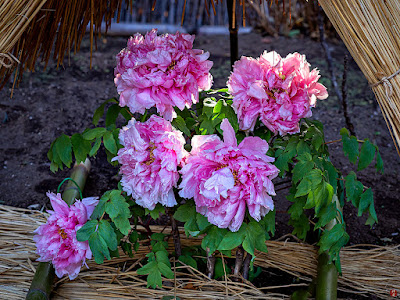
(224, 179)
(163, 71)
(56, 240)
(279, 91)
(149, 160)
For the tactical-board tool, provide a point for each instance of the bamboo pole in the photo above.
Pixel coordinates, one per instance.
(42, 283)
(233, 31)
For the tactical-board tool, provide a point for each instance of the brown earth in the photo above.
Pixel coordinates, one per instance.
(48, 103)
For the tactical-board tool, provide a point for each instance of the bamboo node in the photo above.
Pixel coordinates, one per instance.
(7, 60)
(386, 83)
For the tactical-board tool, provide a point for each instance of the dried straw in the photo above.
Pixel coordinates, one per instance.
(366, 268)
(30, 29)
(371, 31)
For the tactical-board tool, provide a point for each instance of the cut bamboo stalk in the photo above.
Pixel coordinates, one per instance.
(42, 283)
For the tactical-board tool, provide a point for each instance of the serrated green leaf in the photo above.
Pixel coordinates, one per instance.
(332, 173)
(127, 248)
(100, 110)
(95, 147)
(162, 256)
(309, 182)
(296, 209)
(63, 147)
(213, 238)
(185, 212)
(202, 222)
(233, 239)
(109, 142)
(81, 147)
(254, 238)
(148, 268)
(99, 248)
(367, 155)
(366, 202)
(303, 148)
(86, 230)
(94, 133)
(330, 237)
(327, 214)
(112, 114)
(180, 124)
(107, 233)
(300, 226)
(350, 145)
(155, 213)
(268, 222)
(218, 107)
(119, 212)
(165, 270)
(301, 169)
(319, 197)
(354, 189)
(230, 114)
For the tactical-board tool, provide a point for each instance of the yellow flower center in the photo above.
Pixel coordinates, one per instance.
(151, 155)
(171, 66)
(62, 233)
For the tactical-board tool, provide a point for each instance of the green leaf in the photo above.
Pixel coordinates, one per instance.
(218, 107)
(180, 124)
(91, 134)
(367, 204)
(233, 239)
(165, 270)
(112, 114)
(162, 256)
(303, 148)
(230, 114)
(155, 213)
(367, 155)
(109, 142)
(63, 147)
(309, 182)
(333, 239)
(119, 212)
(108, 234)
(254, 238)
(327, 214)
(95, 147)
(379, 162)
(213, 238)
(301, 226)
(185, 212)
(354, 189)
(86, 230)
(100, 111)
(101, 206)
(99, 248)
(350, 145)
(188, 260)
(301, 169)
(319, 197)
(202, 222)
(268, 222)
(296, 209)
(81, 147)
(332, 173)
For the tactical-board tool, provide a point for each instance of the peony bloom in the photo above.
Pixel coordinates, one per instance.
(224, 178)
(152, 152)
(163, 71)
(279, 91)
(56, 240)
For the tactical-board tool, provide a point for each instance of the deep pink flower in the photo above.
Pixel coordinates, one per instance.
(224, 178)
(56, 240)
(152, 152)
(163, 71)
(279, 91)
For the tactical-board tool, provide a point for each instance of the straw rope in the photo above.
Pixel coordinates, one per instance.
(366, 268)
(371, 31)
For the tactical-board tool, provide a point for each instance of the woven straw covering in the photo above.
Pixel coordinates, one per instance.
(371, 31)
(366, 269)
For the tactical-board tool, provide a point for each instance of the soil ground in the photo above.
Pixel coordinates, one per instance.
(55, 101)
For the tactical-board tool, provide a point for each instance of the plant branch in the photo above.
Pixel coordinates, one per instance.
(246, 266)
(349, 124)
(238, 262)
(210, 264)
(175, 235)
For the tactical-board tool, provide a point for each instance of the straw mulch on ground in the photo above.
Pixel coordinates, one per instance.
(366, 269)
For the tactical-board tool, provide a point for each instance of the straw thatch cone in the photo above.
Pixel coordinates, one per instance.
(371, 31)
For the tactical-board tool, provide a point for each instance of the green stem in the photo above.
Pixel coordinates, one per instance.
(327, 274)
(42, 282)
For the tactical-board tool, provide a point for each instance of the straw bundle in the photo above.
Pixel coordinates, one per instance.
(34, 28)
(366, 269)
(371, 31)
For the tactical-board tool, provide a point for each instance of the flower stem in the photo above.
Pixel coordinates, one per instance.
(238, 262)
(210, 264)
(246, 266)
(42, 283)
(175, 235)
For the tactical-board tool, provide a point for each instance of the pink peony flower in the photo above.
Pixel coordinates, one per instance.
(152, 152)
(163, 71)
(56, 240)
(224, 178)
(278, 91)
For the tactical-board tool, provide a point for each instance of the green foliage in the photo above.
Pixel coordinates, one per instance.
(158, 264)
(155, 213)
(195, 223)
